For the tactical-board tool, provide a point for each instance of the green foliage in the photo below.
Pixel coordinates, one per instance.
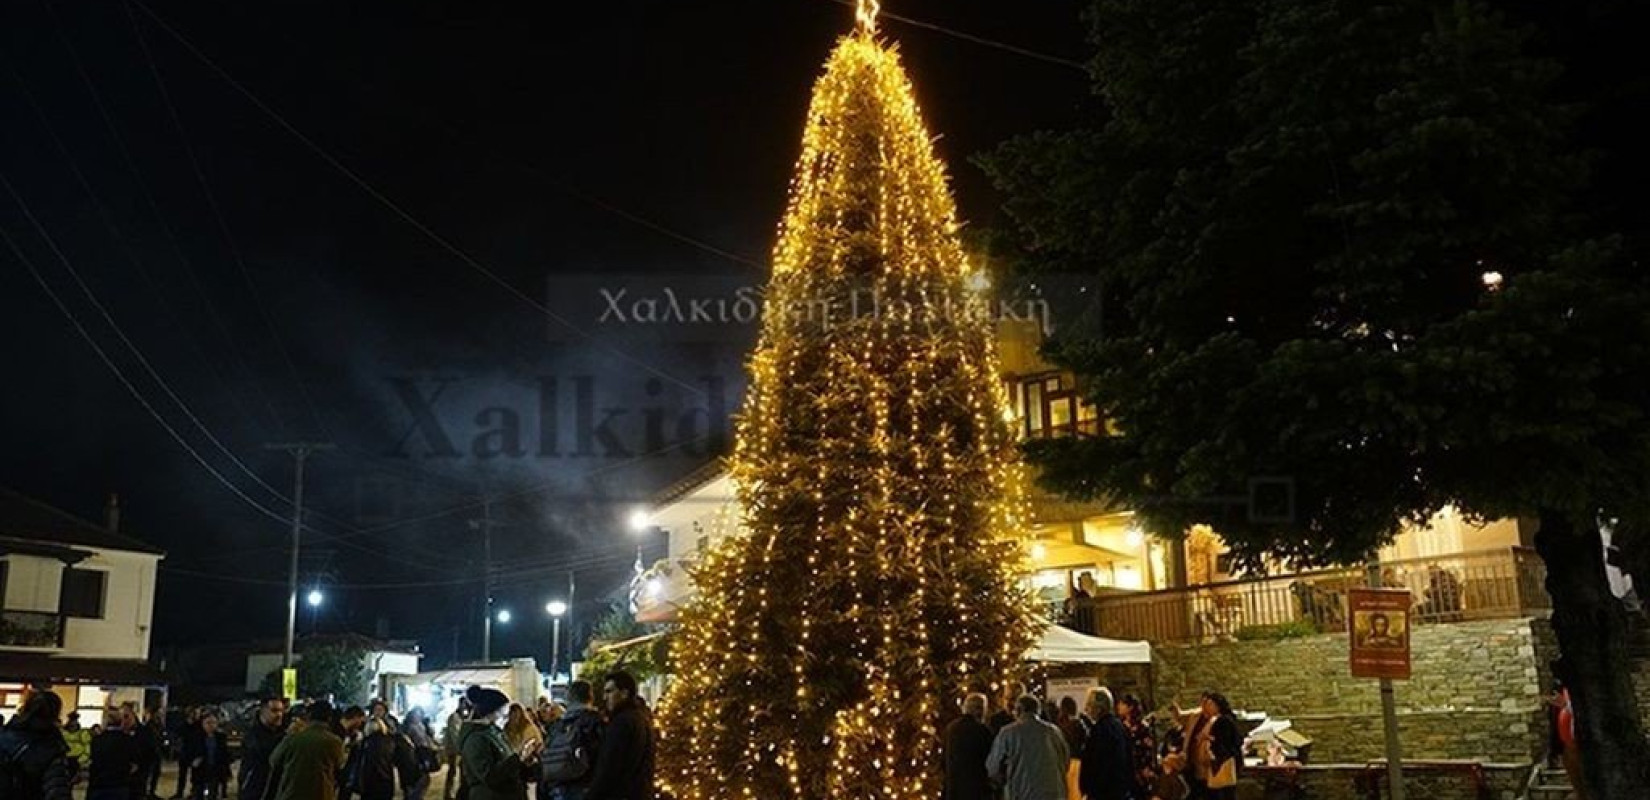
(1289, 206)
(618, 625)
(1283, 630)
(338, 671)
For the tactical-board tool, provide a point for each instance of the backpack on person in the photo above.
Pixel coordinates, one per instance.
(570, 751)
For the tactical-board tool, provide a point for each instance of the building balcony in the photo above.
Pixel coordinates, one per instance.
(31, 630)
(1486, 584)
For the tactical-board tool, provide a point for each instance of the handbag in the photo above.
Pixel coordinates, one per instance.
(1226, 776)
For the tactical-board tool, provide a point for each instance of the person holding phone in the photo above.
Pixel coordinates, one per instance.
(492, 769)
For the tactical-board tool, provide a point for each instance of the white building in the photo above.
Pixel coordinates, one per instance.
(78, 604)
(379, 659)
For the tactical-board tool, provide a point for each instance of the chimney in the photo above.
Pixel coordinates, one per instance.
(111, 513)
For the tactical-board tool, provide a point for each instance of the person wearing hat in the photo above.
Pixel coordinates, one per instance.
(492, 769)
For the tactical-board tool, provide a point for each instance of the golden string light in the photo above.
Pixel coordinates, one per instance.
(872, 575)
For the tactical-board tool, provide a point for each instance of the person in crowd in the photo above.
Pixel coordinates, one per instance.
(147, 749)
(519, 727)
(1212, 740)
(188, 743)
(153, 760)
(1105, 772)
(624, 762)
(211, 769)
(571, 744)
(350, 727)
(967, 744)
(449, 744)
(417, 730)
(258, 743)
(114, 772)
(1142, 746)
(305, 765)
(492, 770)
(380, 711)
(1004, 715)
(387, 760)
(78, 740)
(546, 714)
(33, 756)
(1029, 756)
(412, 768)
(1067, 721)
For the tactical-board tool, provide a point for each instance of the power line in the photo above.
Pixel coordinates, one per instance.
(361, 183)
(979, 40)
(217, 214)
(114, 368)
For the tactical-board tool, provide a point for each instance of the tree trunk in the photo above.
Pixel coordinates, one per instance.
(1591, 627)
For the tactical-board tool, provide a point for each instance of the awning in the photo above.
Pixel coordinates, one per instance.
(1062, 645)
(466, 676)
(82, 671)
(629, 643)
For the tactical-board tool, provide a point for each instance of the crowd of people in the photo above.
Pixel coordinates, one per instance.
(1026, 749)
(490, 749)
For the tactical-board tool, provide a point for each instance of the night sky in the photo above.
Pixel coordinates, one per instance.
(511, 163)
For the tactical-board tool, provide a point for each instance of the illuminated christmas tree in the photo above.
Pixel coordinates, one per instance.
(874, 579)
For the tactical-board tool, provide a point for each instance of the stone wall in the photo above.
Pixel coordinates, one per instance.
(1431, 782)
(1475, 692)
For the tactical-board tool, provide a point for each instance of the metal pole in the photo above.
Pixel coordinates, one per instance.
(555, 649)
(1389, 709)
(572, 630)
(299, 455)
(487, 581)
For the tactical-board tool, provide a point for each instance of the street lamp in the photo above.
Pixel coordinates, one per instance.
(555, 608)
(504, 616)
(315, 598)
(640, 520)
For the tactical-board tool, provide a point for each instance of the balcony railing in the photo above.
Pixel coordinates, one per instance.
(1486, 584)
(39, 629)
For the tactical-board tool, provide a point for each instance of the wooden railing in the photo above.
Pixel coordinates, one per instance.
(1485, 584)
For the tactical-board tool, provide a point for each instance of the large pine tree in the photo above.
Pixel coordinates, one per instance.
(873, 580)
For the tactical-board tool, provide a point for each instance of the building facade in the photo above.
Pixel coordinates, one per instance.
(78, 606)
(1095, 568)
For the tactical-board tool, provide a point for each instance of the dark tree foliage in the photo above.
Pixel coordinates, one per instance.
(1291, 207)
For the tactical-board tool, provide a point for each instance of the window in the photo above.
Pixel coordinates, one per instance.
(82, 593)
(1049, 405)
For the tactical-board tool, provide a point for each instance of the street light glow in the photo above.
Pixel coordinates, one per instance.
(315, 598)
(504, 615)
(640, 521)
(555, 608)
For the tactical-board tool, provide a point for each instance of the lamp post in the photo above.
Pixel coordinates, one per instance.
(555, 608)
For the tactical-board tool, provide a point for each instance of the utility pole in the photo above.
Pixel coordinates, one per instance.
(300, 452)
(572, 614)
(486, 525)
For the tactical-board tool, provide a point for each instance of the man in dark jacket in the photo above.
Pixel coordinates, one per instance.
(305, 765)
(114, 773)
(1106, 772)
(1004, 716)
(34, 760)
(624, 764)
(260, 741)
(967, 744)
(570, 747)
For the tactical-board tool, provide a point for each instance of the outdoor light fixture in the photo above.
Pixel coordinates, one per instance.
(640, 521)
(504, 615)
(1492, 280)
(315, 598)
(555, 608)
(1038, 551)
(654, 588)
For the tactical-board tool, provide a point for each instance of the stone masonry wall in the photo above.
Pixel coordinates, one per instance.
(1476, 690)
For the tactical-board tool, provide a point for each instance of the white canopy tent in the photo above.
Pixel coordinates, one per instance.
(1062, 645)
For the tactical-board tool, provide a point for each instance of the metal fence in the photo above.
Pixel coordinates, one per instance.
(1486, 584)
